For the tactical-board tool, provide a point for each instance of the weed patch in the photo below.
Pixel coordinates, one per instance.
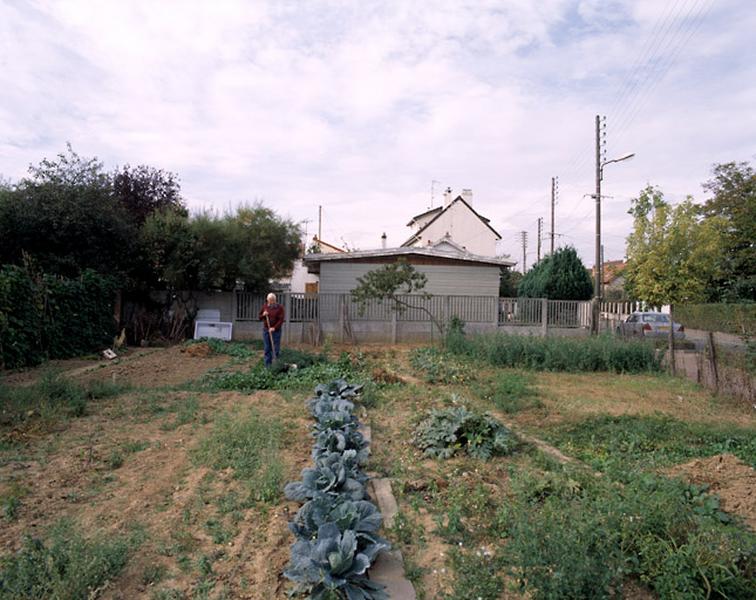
(439, 367)
(248, 444)
(510, 392)
(66, 565)
(616, 444)
(574, 535)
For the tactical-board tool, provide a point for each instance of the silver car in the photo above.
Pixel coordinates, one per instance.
(650, 325)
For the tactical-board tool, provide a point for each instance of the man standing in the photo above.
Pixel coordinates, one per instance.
(272, 316)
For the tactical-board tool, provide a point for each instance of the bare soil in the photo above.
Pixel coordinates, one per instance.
(729, 478)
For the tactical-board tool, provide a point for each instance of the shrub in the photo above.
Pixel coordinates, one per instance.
(602, 353)
(45, 316)
(445, 432)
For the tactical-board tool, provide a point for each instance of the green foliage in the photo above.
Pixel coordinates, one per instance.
(559, 276)
(249, 444)
(438, 367)
(574, 535)
(209, 252)
(52, 397)
(510, 392)
(509, 281)
(738, 319)
(733, 189)
(65, 217)
(672, 256)
(386, 282)
(618, 443)
(477, 576)
(67, 565)
(445, 432)
(143, 190)
(45, 316)
(600, 353)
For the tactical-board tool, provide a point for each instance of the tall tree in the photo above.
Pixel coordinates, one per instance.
(65, 218)
(143, 190)
(559, 276)
(733, 200)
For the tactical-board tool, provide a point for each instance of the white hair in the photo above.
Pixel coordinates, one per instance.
(271, 297)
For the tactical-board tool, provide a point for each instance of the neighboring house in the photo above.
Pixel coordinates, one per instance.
(449, 268)
(613, 280)
(301, 281)
(455, 221)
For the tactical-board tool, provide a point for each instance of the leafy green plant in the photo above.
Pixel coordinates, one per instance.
(444, 432)
(330, 566)
(341, 440)
(438, 367)
(334, 473)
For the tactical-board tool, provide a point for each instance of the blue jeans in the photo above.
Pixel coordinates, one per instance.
(266, 345)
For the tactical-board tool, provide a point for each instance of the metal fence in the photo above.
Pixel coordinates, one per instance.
(534, 312)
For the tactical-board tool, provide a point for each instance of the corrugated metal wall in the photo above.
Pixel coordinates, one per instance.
(472, 280)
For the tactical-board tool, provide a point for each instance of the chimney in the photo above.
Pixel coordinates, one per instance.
(447, 197)
(467, 196)
(383, 240)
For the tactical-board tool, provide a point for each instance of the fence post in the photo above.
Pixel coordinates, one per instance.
(341, 318)
(544, 317)
(287, 317)
(393, 324)
(713, 360)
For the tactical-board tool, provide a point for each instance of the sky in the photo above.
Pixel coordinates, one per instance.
(371, 109)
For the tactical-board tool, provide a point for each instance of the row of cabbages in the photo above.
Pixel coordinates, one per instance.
(336, 528)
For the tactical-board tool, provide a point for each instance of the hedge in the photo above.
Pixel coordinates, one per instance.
(46, 316)
(738, 319)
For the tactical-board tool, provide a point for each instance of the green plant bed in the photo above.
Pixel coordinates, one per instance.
(618, 444)
(510, 392)
(572, 535)
(601, 353)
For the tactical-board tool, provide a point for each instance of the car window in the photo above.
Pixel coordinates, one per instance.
(632, 319)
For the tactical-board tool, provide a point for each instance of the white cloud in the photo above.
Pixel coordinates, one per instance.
(358, 106)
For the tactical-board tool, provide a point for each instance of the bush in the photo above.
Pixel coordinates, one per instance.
(45, 316)
(603, 353)
(738, 319)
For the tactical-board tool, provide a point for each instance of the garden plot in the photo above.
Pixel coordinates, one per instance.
(170, 503)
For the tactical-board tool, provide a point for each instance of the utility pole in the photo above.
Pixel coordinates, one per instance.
(524, 238)
(320, 222)
(597, 258)
(538, 245)
(553, 201)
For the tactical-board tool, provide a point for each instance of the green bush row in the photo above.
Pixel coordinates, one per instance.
(45, 316)
(738, 319)
(603, 353)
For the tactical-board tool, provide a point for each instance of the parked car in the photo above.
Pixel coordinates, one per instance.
(649, 324)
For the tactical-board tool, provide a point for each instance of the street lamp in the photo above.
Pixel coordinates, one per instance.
(599, 176)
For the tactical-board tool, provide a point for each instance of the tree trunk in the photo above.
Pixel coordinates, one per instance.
(671, 340)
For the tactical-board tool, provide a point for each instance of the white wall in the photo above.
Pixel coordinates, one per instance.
(300, 276)
(465, 229)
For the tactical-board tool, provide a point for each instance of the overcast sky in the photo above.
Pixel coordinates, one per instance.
(359, 106)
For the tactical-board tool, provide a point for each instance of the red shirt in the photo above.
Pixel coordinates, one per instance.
(275, 315)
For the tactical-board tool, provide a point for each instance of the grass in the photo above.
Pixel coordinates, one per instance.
(437, 366)
(618, 444)
(601, 353)
(510, 392)
(53, 397)
(247, 443)
(66, 565)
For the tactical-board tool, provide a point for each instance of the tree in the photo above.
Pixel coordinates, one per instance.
(508, 282)
(559, 276)
(733, 200)
(143, 190)
(672, 254)
(388, 283)
(65, 218)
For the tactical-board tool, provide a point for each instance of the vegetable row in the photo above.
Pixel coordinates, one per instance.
(336, 527)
